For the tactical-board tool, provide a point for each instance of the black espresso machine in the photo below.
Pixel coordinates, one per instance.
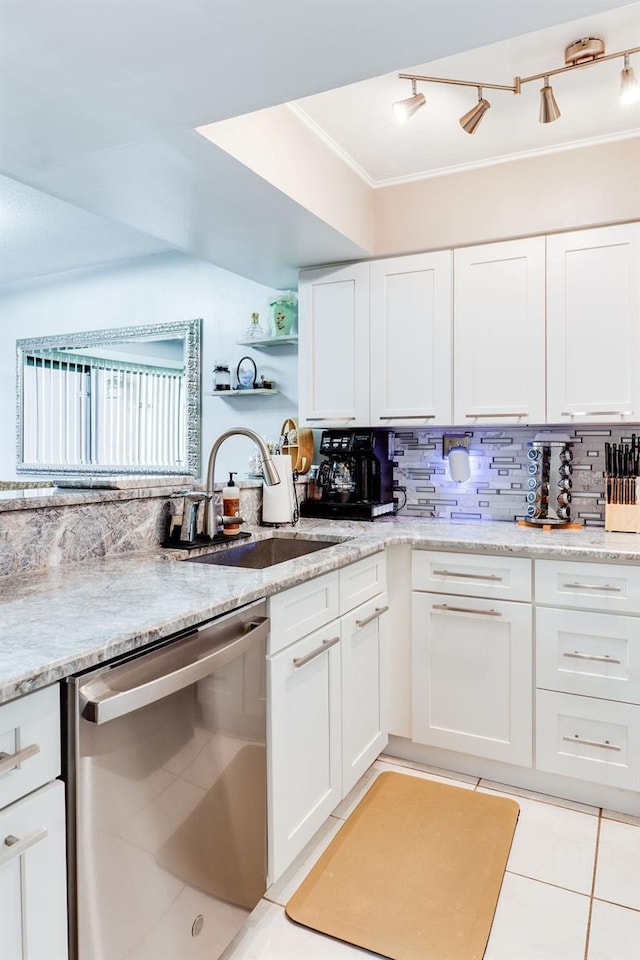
(355, 478)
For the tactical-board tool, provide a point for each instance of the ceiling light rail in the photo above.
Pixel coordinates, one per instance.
(582, 53)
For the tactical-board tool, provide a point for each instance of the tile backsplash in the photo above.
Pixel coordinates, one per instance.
(498, 485)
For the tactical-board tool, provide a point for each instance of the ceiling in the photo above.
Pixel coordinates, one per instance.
(40, 235)
(359, 122)
(99, 102)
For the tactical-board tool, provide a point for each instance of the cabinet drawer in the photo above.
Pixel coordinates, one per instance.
(362, 580)
(592, 654)
(296, 612)
(471, 575)
(30, 742)
(609, 587)
(589, 739)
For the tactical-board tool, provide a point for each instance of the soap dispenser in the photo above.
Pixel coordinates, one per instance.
(231, 505)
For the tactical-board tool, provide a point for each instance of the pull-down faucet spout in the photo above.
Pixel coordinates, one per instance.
(269, 471)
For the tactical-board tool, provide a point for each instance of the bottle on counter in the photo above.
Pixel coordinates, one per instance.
(231, 505)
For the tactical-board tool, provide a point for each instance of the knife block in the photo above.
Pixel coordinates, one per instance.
(622, 517)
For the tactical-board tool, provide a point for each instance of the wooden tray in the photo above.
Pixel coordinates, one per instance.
(300, 451)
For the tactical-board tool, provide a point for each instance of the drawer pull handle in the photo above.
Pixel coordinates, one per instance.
(300, 661)
(593, 586)
(593, 743)
(16, 846)
(9, 761)
(467, 576)
(595, 413)
(485, 613)
(374, 616)
(410, 416)
(478, 416)
(600, 658)
(330, 419)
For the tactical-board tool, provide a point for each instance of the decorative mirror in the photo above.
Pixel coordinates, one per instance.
(125, 400)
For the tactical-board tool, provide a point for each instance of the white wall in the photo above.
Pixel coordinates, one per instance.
(155, 289)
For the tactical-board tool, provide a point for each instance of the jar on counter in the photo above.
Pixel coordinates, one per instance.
(221, 377)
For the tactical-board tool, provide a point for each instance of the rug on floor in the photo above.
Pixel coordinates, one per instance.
(414, 874)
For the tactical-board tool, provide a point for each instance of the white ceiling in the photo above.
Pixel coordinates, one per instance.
(358, 119)
(40, 235)
(99, 101)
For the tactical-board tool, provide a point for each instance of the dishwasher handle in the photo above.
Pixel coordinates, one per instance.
(114, 693)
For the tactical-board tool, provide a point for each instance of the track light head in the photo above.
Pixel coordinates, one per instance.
(470, 120)
(403, 110)
(629, 86)
(549, 109)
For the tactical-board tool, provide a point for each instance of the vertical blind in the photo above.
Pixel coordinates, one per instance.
(112, 413)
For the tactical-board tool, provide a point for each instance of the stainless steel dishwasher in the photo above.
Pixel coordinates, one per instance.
(166, 781)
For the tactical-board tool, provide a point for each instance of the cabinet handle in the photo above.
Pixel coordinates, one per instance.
(467, 576)
(593, 586)
(485, 613)
(9, 761)
(409, 416)
(595, 413)
(374, 616)
(600, 658)
(593, 743)
(331, 419)
(17, 846)
(477, 416)
(326, 644)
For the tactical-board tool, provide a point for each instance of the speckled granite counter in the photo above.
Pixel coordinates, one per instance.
(58, 622)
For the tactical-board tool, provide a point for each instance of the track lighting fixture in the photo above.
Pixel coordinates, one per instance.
(549, 110)
(581, 53)
(469, 122)
(629, 86)
(403, 110)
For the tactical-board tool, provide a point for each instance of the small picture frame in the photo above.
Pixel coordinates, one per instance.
(246, 374)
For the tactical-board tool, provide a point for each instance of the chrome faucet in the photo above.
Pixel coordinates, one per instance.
(212, 522)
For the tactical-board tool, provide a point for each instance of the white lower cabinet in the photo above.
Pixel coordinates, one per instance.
(327, 705)
(33, 878)
(305, 774)
(472, 676)
(364, 688)
(33, 901)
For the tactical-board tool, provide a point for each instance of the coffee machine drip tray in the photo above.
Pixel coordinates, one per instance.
(345, 511)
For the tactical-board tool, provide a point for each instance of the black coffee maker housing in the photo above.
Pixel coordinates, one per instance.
(355, 477)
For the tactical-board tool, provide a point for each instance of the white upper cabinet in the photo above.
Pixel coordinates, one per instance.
(593, 325)
(334, 346)
(411, 339)
(499, 333)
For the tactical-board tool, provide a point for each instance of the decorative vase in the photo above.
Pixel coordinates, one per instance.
(284, 315)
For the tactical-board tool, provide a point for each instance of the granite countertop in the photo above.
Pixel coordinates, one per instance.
(61, 621)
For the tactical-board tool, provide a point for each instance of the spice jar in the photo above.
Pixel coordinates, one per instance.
(221, 377)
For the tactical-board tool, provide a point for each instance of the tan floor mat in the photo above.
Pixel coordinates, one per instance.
(414, 874)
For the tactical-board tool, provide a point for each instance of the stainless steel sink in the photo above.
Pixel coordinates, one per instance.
(264, 553)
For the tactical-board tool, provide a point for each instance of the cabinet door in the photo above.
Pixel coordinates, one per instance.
(304, 756)
(499, 333)
(334, 346)
(411, 340)
(33, 881)
(472, 676)
(364, 688)
(593, 325)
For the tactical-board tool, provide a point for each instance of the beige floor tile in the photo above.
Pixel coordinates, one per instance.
(553, 844)
(542, 797)
(535, 921)
(614, 933)
(618, 868)
(427, 768)
(283, 889)
(270, 935)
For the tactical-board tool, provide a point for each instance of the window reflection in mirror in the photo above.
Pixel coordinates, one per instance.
(111, 401)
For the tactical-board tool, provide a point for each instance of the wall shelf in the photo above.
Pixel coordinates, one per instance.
(270, 342)
(232, 394)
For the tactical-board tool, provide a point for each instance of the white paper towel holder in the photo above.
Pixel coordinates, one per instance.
(279, 501)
